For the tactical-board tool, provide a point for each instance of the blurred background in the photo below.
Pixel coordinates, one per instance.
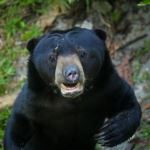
(126, 22)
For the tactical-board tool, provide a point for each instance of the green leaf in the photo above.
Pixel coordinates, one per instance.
(2, 2)
(144, 2)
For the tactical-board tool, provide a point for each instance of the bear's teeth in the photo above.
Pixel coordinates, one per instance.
(66, 89)
(69, 87)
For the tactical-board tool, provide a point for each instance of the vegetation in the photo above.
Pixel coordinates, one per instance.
(16, 30)
(144, 2)
(143, 136)
(4, 114)
(137, 64)
(17, 26)
(142, 76)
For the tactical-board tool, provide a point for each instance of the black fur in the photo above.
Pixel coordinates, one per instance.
(44, 120)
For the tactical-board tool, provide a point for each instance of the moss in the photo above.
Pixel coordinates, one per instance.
(141, 52)
(136, 70)
(138, 75)
(145, 130)
(143, 135)
(116, 16)
(98, 147)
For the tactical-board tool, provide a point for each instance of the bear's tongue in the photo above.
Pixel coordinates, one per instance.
(66, 85)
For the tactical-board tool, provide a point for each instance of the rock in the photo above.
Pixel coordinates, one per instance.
(146, 67)
(141, 88)
(47, 19)
(21, 71)
(85, 24)
(140, 92)
(7, 100)
(61, 23)
(123, 146)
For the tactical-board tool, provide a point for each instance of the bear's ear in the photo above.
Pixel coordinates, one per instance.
(101, 34)
(31, 44)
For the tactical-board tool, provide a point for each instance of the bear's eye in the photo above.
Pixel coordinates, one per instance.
(82, 54)
(52, 58)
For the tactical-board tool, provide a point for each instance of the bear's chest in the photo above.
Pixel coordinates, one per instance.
(63, 116)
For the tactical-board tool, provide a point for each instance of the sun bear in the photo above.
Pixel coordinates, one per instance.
(73, 97)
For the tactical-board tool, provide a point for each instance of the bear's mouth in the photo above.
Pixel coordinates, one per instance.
(71, 90)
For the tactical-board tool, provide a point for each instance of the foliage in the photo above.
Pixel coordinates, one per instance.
(7, 64)
(4, 114)
(145, 131)
(143, 135)
(14, 29)
(144, 2)
(68, 3)
(144, 50)
(139, 77)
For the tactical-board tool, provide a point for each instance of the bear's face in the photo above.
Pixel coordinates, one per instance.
(68, 59)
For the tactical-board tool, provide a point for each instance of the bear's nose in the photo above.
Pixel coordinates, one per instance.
(71, 74)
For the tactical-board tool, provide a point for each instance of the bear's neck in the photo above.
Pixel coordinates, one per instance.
(106, 72)
(35, 82)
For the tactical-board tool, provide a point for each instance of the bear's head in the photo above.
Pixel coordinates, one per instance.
(68, 60)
